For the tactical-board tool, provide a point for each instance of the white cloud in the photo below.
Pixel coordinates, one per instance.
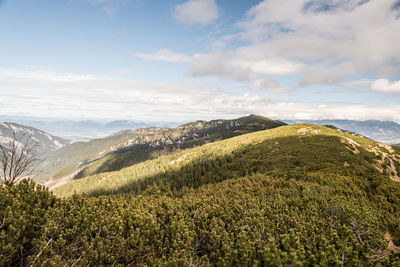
(165, 55)
(384, 85)
(99, 97)
(347, 90)
(362, 82)
(323, 73)
(125, 72)
(110, 98)
(196, 12)
(274, 66)
(35, 73)
(346, 32)
(271, 85)
(327, 40)
(228, 65)
(219, 64)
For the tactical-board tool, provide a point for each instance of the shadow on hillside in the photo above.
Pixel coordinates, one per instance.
(126, 157)
(291, 157)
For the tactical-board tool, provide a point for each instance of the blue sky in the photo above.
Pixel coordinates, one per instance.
(182, 60)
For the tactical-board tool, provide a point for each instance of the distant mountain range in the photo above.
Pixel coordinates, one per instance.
(86, 130)
(124, 125)
(383, 131)
(83, 130)
(47, 143)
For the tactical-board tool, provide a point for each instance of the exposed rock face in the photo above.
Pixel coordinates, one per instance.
(389, 162)
(197, 129)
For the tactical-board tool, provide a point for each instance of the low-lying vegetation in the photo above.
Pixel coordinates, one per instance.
(280, 149)
(295, 195)
(130, 147)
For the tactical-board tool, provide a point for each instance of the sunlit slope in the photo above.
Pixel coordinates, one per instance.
(304, 150)
(74, 155)
(132, 146)
(299, 195)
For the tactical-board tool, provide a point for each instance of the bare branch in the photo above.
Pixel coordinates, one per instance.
(18, 158)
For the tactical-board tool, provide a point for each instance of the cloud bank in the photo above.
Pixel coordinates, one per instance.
(43, 74)
(324, 41)
(39, 94)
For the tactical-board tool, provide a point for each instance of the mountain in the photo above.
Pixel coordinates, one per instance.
(383, 131)
(133, 146)
(119, 125)
(47, 143)
(174, 140)
(78, 154)
(84, 130)
(296, 195)
(296, 147)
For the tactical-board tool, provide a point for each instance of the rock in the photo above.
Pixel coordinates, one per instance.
(390, 163)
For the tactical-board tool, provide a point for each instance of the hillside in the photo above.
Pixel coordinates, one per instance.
(290, 196)
(80, 153)
(296, 148)
(383, 131)
(47, 143)
(130, 147)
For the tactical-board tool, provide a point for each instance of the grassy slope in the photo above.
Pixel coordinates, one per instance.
(63, 172)
(117, 161)
(136, 146)
(291, 196)
(279, 149)
(80, 152)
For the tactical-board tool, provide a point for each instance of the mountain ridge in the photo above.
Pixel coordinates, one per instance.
(47, 142)
(383, 157)
(189, 134)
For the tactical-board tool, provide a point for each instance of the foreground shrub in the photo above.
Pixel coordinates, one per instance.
(256, 220)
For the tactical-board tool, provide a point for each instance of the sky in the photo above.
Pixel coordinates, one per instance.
(179, 60)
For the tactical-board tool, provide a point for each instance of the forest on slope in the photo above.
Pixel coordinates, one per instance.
(294, 195)
(133, 146)
(302, 147)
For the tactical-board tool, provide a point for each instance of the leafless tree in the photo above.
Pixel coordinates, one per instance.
(18, 158)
